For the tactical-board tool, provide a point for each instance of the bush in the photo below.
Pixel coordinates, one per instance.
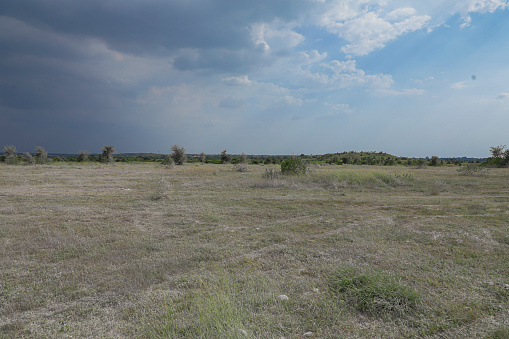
(107, 154)
(202, 157)
(241, 167)
(272, 173)
(473, 170)
(225, 157)
(373, 293)
(82, 156)
(293, 166)
(178, 155)
(29, 159)
(41, 156)
(10, 154)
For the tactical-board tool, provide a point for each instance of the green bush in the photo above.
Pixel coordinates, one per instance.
(373, 293)
(293, 166)
(178, 154)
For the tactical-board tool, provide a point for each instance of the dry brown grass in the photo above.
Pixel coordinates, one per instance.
(140, 250)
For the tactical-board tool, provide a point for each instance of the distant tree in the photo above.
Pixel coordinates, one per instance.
(434, 161)
(178, 154)
(10, 154)
(202, 157)
(499, 156)
(82, 156)
(225, 157)
(29, 159)
(107, 154)
(497, 151)
(243, 158)
(41, 156)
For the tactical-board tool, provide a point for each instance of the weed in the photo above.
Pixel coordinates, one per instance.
(373, 293)
(474, 170)
(502, 332)
(272, 173)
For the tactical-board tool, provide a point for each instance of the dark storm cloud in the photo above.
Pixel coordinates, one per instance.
(158, 24)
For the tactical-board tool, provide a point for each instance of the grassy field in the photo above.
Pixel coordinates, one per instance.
(204, 251)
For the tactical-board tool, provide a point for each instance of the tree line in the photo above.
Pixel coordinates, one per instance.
(178, 156)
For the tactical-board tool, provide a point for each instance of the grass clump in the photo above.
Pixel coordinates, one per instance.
(501, 332)
(373, 293)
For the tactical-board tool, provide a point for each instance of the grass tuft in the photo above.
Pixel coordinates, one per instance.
(373, 293)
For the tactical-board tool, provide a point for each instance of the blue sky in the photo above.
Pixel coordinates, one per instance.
(410, 78)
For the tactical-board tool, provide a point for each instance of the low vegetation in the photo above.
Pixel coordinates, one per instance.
(138, 250)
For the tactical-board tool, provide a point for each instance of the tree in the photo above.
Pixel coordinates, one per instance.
(434, 161)
(82, 156)
(225, 157)
(497, 151)
(178, 154)
(10, 154)
(107, 154)
(29, 159)
(243, 158)
(41, 156)
(202, 157)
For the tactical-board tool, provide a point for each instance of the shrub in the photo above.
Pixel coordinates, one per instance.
(473, 170)
(107, 154)
(243, 158)
(241, 167)
(82, 156)
(29, 159)
(10, 154)
(225, 157)
(293, 166)
(272, 173)
(178, 154)
(41, 156)
(373, 293)
(202, 157)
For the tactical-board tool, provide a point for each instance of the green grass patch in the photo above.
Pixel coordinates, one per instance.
(374, 293)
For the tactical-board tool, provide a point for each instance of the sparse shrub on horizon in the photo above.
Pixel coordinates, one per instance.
(10, 154)
(178, 155)
(499, 156)
(225, 157)
(29, 159)
(243, 158)
(41, 156)
(107, 154)
(202, 157)
(82, 156)
(293, 166)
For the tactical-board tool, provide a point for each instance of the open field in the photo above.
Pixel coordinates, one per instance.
(203, 251)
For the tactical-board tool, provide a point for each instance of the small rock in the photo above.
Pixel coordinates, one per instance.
(282, 297)
(244, 332)
(316, 290)
(308, 334)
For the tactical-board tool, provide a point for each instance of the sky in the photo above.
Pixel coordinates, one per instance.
(408, 77)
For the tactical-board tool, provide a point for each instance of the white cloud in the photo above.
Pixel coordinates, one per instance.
(343, 74)
(366, 27)
(237, 81)
(275, 37)
(339, 108)
(289, 100)
(503, 96)
(459, 85)
(407, 91)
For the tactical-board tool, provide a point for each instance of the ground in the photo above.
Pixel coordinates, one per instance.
(205, 251)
